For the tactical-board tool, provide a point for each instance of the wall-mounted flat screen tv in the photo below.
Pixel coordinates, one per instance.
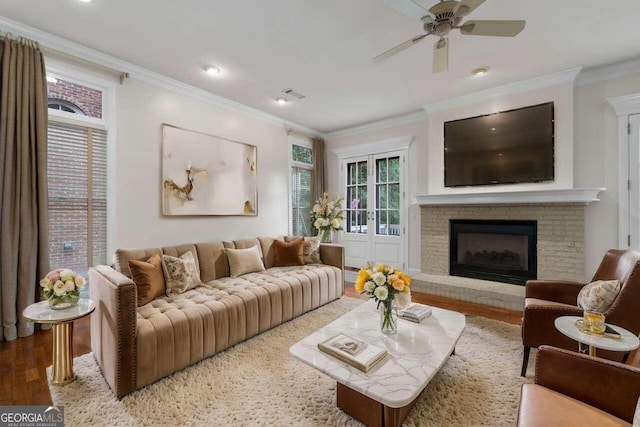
(509, 147)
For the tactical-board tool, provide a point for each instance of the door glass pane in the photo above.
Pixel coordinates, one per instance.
(394, 196)
(394, 223)
(382, 196)
(381, 170)
(362, 197)
(394, 169)
(381, 222)
(362, 172)
(351, 170)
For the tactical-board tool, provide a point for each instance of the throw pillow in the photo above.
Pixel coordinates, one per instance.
(180, 274)
(598, 295)
(311, 249)
(148, 277)
(243, 261)
(289, 253)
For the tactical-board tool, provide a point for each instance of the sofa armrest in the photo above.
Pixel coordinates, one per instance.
(332, 254)
(606, 385)
(563, 291)
(113, 327)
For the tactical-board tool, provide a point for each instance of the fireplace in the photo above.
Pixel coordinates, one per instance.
(500, 251)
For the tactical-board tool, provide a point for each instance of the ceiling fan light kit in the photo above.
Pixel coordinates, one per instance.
(447, 15)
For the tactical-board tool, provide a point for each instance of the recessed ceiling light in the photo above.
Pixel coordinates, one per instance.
(85, 1)
(52, 79)
(212, 70)
(493, 128)
(480, 71)
(281, 100)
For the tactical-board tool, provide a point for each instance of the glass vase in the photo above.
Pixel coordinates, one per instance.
(64, 301)
(388, 318)
(325, 235)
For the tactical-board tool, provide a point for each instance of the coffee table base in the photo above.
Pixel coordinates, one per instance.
(369, 411)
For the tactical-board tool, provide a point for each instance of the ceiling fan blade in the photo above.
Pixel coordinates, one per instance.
(465, 7)
(441, 56)
(399, 48)
(492, 28)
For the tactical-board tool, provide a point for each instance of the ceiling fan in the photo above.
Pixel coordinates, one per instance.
(446, 16)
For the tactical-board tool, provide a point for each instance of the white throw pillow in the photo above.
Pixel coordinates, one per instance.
(180, 274)
(243, 261)
(598, 295)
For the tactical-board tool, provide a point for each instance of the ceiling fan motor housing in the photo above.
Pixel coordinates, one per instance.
(444, 18)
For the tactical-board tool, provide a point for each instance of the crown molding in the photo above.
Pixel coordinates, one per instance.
(68, 47)
(561, 77)
(626, 104)
(608, 72)
(394, 144)
(414, 117)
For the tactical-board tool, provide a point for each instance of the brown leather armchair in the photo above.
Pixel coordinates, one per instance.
(545, 300)
(573, 389)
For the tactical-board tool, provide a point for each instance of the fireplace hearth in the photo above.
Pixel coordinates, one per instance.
(496, 250)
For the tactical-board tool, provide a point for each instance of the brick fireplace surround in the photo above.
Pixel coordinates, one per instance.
(560, 249)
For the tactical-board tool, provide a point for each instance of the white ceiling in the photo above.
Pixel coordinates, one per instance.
(323, 48)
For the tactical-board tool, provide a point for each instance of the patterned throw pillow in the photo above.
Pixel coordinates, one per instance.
(180, 274)
(310, 249)
(599, 295)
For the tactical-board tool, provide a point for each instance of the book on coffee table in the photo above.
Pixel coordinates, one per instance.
(356, 353)
(415, 313)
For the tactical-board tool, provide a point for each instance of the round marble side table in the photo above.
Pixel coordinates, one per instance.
(627, 342)
(62, 329)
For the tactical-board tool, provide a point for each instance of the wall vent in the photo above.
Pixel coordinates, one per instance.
(293, 93)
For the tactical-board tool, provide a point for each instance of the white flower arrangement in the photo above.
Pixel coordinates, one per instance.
(327, 215)
(61, 286)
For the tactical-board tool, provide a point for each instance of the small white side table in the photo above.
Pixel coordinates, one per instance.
(62, 329)
(627, 342)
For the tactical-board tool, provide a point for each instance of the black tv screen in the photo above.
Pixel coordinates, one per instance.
(509, 147)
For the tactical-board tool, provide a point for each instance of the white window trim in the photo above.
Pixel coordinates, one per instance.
(75, 74)
(302, 142)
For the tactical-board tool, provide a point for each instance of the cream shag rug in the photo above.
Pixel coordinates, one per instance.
(258, 382)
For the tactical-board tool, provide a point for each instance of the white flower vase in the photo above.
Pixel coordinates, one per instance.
(326, 235)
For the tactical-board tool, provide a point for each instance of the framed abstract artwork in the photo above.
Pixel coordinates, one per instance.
(207, 175)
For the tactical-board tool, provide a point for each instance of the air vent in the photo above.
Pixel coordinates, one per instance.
(294, 93)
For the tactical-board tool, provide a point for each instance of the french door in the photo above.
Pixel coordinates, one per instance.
(634, 182)
(375, 215)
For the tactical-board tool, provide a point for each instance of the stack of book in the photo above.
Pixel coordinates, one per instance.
(356, 353)
(415, 313)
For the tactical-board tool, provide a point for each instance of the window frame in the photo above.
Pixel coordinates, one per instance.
(302, 142)
(107, 85)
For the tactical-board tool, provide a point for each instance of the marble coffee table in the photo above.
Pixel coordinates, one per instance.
(384, 395)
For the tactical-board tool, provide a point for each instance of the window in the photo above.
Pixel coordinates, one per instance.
(77, 174)
(301, 181)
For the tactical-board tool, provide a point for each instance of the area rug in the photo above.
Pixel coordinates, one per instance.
(258, 382)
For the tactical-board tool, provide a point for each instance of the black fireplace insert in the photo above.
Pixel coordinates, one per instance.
(500, 251)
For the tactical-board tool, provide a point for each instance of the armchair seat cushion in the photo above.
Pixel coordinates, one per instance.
(543, 407)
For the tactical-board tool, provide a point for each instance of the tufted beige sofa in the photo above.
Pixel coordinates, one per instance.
(136, 346)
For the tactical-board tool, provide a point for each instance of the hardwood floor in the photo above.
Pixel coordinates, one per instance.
(23, 362)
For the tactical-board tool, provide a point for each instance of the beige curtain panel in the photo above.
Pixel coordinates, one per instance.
(317, 183)
(24, 254)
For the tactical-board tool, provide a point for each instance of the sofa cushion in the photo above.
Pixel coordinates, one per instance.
(122, 256)
(213, 261)
(178, 250)
(289, 253)
(149, 278)
(268, 250)
(180, 274)
(543, 407)
(598, 295)
(243, 261)
(311, 248)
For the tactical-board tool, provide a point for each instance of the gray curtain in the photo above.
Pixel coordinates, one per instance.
(317, 182)
(24, 253)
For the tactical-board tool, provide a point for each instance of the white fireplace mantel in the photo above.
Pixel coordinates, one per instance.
(570, 195)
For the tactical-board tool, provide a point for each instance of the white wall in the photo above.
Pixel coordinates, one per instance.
(586, 155)
(141, 108)
(561, 95)
(417, 172)
(596, 162)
